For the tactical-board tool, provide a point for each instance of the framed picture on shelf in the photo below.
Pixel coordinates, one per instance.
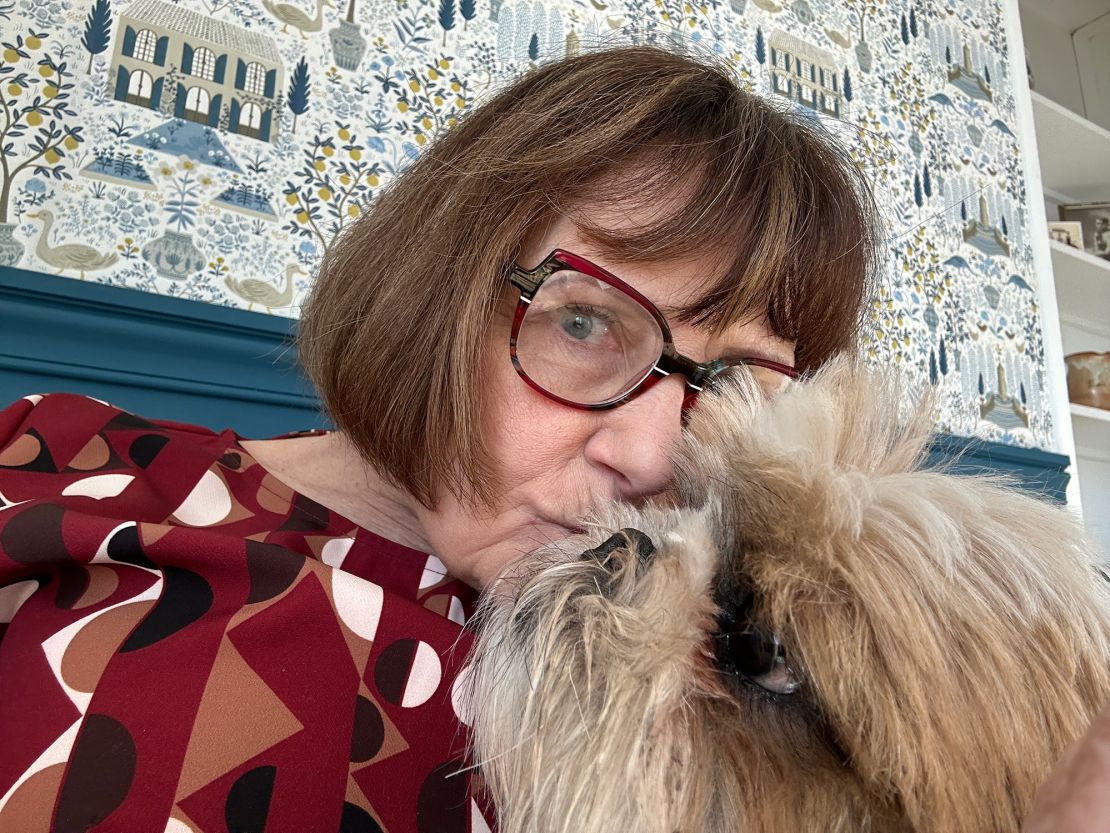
(1095, 220)
(1070, 234)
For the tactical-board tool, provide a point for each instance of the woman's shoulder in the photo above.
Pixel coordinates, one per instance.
(49, 441)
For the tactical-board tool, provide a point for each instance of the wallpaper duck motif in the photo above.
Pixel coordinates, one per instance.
(211, 149)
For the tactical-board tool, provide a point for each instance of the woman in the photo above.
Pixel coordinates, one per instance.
(207, 632)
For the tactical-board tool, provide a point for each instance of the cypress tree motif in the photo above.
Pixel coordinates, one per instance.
(760, 47)
(446, 17)
(943, 362)
(926, 181)
(933, 377)
(298, 91)
(917, 198)
(534, 47)
(847, 85)
(905, 30)
(467, 10)
(913, 22)
(98, 29)
(963, 211)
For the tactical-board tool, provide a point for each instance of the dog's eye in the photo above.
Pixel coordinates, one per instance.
(745, 648)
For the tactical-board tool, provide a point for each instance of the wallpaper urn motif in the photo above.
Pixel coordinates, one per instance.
(174, 256)
(11, 250)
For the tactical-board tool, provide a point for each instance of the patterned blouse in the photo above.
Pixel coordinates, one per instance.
(188, 645)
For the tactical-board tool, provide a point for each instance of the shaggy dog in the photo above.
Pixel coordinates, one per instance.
(815, 636)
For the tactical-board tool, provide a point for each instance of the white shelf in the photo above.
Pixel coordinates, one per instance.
(1074, 153)
(1082, 284)
(1096, 415)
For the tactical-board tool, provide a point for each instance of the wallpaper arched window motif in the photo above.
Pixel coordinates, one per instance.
(204, 64)
(256, 79)
(139, 88)
(197, 104)
(146, 42)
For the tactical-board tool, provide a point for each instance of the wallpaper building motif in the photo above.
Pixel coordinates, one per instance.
(210, 149)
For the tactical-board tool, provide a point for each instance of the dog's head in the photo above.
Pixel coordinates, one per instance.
(819, 636)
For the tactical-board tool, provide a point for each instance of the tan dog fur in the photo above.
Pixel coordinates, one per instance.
(950, 635)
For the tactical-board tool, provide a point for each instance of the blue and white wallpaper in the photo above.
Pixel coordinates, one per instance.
(210, 149)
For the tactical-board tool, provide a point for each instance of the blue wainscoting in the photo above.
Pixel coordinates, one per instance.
(155, 356)
(225, 368)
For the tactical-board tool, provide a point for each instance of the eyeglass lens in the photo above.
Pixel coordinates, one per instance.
(586, 341)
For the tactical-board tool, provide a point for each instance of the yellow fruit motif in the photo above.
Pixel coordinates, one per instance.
(50, 91)
(693, 24)
(319, 164)
(414, 86)
(373, 180)
(460, 102)
(426, 122)
(421, 138)
(325, 194)
(45, 71)
(403, 106)
(328, 150)
(356, 154)
(302, 216)
(344, 134)
(34, 119)
(14, 89)
(432, 74)
(437, 100)
(666, 16)
(451, 122)
(344, 179)
(33, 42)
(71, 143)
(444, 63)
(291, 199)
(352, 209)
(11, 56)
(51, 156)
(455, 86)
(686, 7)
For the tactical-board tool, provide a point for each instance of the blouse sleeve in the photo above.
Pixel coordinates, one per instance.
(12, 421)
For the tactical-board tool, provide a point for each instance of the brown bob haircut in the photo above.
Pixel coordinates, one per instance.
(399, 317)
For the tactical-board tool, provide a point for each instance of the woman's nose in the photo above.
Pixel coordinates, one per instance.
(633, 443)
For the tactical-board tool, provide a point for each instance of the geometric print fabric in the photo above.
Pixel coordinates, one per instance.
(189, 645)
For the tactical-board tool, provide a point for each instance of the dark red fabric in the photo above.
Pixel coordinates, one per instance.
(187, 644)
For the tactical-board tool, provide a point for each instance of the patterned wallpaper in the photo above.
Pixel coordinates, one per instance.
(210, 149)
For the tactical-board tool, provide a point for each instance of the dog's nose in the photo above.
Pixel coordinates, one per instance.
(627, 538)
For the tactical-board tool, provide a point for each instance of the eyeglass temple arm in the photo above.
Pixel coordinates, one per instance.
(697, 375)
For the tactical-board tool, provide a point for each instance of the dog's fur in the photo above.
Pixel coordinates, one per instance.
(950, 636)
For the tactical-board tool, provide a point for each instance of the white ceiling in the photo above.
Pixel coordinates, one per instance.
(1069, 14)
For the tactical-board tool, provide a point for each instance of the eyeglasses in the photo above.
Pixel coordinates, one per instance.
(585, 338)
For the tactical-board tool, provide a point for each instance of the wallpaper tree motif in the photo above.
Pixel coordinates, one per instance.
(210, 149)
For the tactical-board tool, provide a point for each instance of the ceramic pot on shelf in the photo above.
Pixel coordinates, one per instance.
(1089, 379)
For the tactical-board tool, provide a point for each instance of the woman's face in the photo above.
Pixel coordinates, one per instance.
(555, 461)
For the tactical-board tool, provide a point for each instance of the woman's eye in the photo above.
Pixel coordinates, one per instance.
(577, 325)
(745, 648)
(585, 324)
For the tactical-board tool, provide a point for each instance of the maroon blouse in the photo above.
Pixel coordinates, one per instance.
(187, 644)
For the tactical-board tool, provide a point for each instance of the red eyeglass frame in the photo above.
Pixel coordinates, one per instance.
(698, 374)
